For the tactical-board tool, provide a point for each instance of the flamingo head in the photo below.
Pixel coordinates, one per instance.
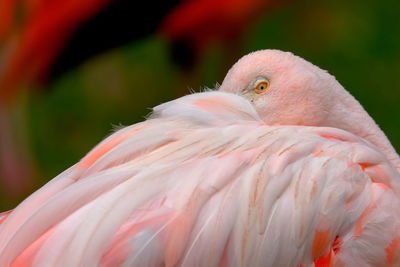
(284, 88)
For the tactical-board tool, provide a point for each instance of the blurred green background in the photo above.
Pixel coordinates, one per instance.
(356, 41)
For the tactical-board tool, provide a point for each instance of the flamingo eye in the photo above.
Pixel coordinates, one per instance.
(261, 86)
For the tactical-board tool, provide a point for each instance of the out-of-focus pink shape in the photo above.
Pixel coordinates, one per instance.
(6, 17)
(203, 21)
(32, 34)
(31, 46)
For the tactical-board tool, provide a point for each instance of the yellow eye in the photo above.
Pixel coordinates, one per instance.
(262, 86)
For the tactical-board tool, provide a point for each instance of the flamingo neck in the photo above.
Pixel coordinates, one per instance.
(349, 115)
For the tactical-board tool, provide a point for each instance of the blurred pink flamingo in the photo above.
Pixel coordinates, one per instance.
(32, 34)
(279, 167)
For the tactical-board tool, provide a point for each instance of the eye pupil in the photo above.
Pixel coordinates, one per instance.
(261, 86)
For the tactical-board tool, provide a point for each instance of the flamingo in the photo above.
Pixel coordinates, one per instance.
(280, 166)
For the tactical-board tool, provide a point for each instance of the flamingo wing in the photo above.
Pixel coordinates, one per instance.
(204, 182)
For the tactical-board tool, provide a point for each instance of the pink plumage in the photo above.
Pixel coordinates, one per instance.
(279, 167)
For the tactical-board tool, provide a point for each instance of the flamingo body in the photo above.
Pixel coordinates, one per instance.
(206, 182)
